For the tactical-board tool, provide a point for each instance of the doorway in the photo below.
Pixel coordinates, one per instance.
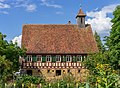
(58, 72)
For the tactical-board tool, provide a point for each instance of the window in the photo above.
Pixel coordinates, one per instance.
(58, 72)
(79, 58)
(29, 57)
(79, 71)
(81, 20)
(29, 72)
(58, 58)
(68, 58)
(69, 71)
(48, 71)
(48, 58)
(39, 58)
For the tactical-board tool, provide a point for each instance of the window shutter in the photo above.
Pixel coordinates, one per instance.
(53, 59)
(25, 58)
(34, 59)
(43, 58)
(74, 59)
(82, 58)
(64, 59)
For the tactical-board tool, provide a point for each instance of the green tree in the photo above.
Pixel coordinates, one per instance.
(5, 66)
(99, 42)
(11, 52)
(113, 41)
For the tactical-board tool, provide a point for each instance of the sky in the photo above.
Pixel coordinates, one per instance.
(15, 13)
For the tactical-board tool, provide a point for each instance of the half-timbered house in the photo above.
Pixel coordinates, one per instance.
(57, 49)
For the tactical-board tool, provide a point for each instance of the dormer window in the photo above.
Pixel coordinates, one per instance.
(29, 58)
(79, 58)
(58, 58)
(39, 58)
(48, 58)
(68, 58)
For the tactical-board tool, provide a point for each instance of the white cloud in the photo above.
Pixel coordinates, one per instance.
(4, 6)
(59, 13)
(46, 3)
(2, 0)
(31, 7)
(100, 20)
(17, 40)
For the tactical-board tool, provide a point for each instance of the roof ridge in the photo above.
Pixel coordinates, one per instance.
(53, 24)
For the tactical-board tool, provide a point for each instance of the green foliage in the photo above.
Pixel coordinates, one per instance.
(11, 52)
(113, 41)
(67, 81)
(94, 59)
(99, 42)
(28, 80)
(104, 77)
(5, 66)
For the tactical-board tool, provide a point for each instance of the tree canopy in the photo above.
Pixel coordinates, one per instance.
(9, 53)
(99, 42)
(113, 41)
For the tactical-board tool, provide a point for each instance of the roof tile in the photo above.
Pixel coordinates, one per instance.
(40, 38)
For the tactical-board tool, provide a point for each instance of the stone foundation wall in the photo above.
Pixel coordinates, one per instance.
(79, 74)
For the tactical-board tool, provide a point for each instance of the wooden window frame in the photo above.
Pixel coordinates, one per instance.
(58, 59)
(79, 57)
(39, 59)
(29, 58)
(50, 58)
(70, 58)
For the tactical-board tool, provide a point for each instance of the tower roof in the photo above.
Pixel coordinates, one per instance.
(80, 13)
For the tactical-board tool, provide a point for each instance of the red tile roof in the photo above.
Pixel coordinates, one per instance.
(40, 38)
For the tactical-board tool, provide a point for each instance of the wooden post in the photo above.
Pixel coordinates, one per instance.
(14, 85)
(76, 85)
(58, 84)
(49, 85)
(22, 85)
(40, 85)
(87, 85)
(5, 85)
(67, 85)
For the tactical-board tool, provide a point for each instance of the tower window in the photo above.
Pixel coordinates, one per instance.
(48, 58)
(81, 20)
(58, 58)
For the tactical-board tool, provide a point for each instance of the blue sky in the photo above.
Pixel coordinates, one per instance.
(15, 13)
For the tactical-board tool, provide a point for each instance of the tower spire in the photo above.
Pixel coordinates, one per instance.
(80, 4)
(81, 18)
